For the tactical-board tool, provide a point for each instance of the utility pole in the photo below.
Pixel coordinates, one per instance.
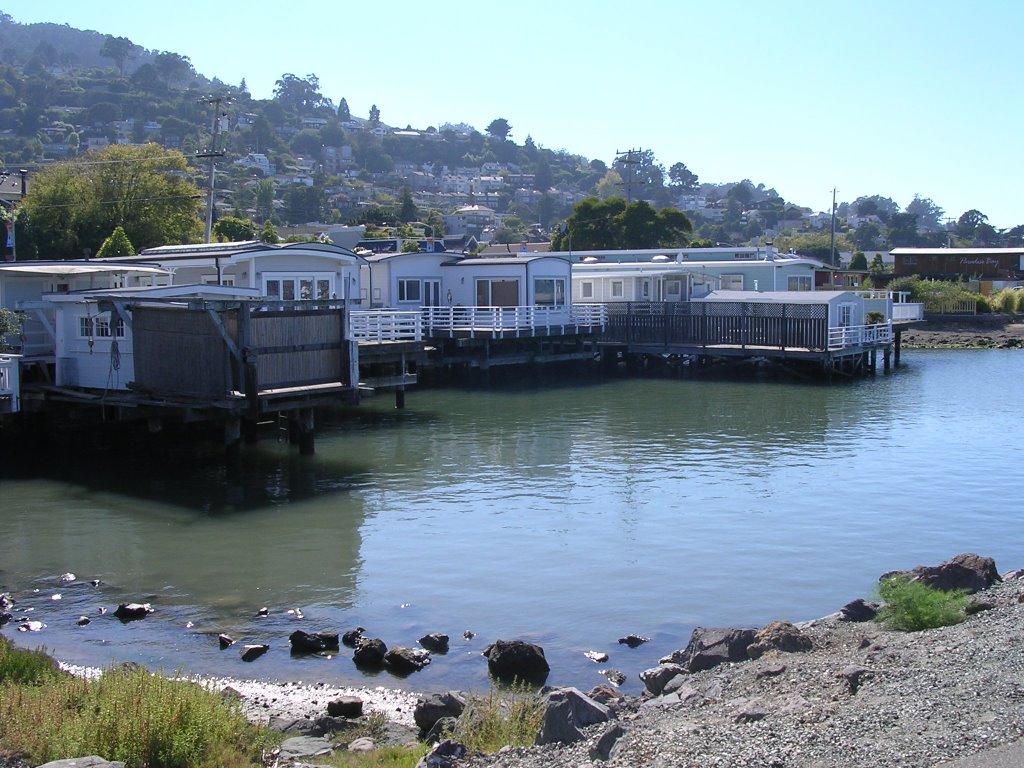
(212, 154)
(832, 240)
(629, 162)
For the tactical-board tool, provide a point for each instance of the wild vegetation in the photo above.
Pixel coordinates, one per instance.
(126, 714)
(911, 606)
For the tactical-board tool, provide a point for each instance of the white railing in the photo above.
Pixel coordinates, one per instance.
(380, 325)
(10, 383)
(514, 320)
(908, 311)
(845, 336)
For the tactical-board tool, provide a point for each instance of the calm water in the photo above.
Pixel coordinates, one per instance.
(568, 514)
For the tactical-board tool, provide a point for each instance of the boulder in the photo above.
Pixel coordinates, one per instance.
(253, 652)
(313, 642)
(92, 761)
(710, 647)
(444, 755)
(352, 637)
(132, 611)
(370, 653)
(5, 617)
(441, 730)
(225, 641)
(966, 571)
(566, 713)
(633, 641)
(437, 706)
(605, 694)
(435, 642)
(858, 610)
(778, 636)
(607, 743)
(656, 678)
(345, 706)
(299, 747)
(404, 661)
(517, 660)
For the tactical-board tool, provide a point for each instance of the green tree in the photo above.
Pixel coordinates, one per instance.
(682, 177)
(407, 211)
(118, 50)
(877, 266)
(300, 95)
(609, 224)
(332, 134)
(234, 230)
(859, 261)
(903, 231)
(73, 205)
(865, 237)
(374, 115)
(929, 215)
(268, 234)
(302, 204)
(344, 115)
(499, 128)
(307, 143)
(117, 244)
(968, 223)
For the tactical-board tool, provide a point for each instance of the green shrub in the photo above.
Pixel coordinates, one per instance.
(128, 715)
(911, 606)
(1007, 300)
(22, 667)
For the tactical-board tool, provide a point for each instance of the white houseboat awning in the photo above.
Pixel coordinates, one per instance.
(78, 269)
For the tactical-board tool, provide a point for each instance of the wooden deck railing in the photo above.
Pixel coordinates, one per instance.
(514, 321)
(10, 383)
(377, 326)
(844, 337)
(668, 325)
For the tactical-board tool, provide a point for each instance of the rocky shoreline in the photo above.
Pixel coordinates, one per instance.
(975, 332)
(842, 691)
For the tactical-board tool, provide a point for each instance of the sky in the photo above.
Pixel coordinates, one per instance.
(875, 97)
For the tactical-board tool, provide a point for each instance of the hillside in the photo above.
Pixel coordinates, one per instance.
(298, 157)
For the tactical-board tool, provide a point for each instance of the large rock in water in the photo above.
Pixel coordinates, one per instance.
(710, 647)
(370, 653)
(966, 571)
(316, 642)
(510, 660)
(567, 712)
(132, 611)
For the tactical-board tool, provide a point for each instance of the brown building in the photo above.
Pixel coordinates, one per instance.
(960, 263)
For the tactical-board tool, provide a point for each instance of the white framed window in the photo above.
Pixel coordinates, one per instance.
(549, 292)
(617, 291)
(587, 289)
(645, 289)
(99, 327)
(293, 287)
(798, 283)
(673, 289)
(846, 315)
(410, 290)
(732, 282)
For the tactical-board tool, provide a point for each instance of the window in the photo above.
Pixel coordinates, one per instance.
(409, 290)
(587, 290)
(909, 260)
(799, 283)
(732, 282)
(673, 289)
(616, 289)
(645, 289)
(278, 285)
(846, 315)
(98, 327)
(549, 292)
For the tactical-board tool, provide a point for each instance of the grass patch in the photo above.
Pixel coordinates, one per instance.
(129, 715)
(385, 757)
(910, 606)
(504, 717)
